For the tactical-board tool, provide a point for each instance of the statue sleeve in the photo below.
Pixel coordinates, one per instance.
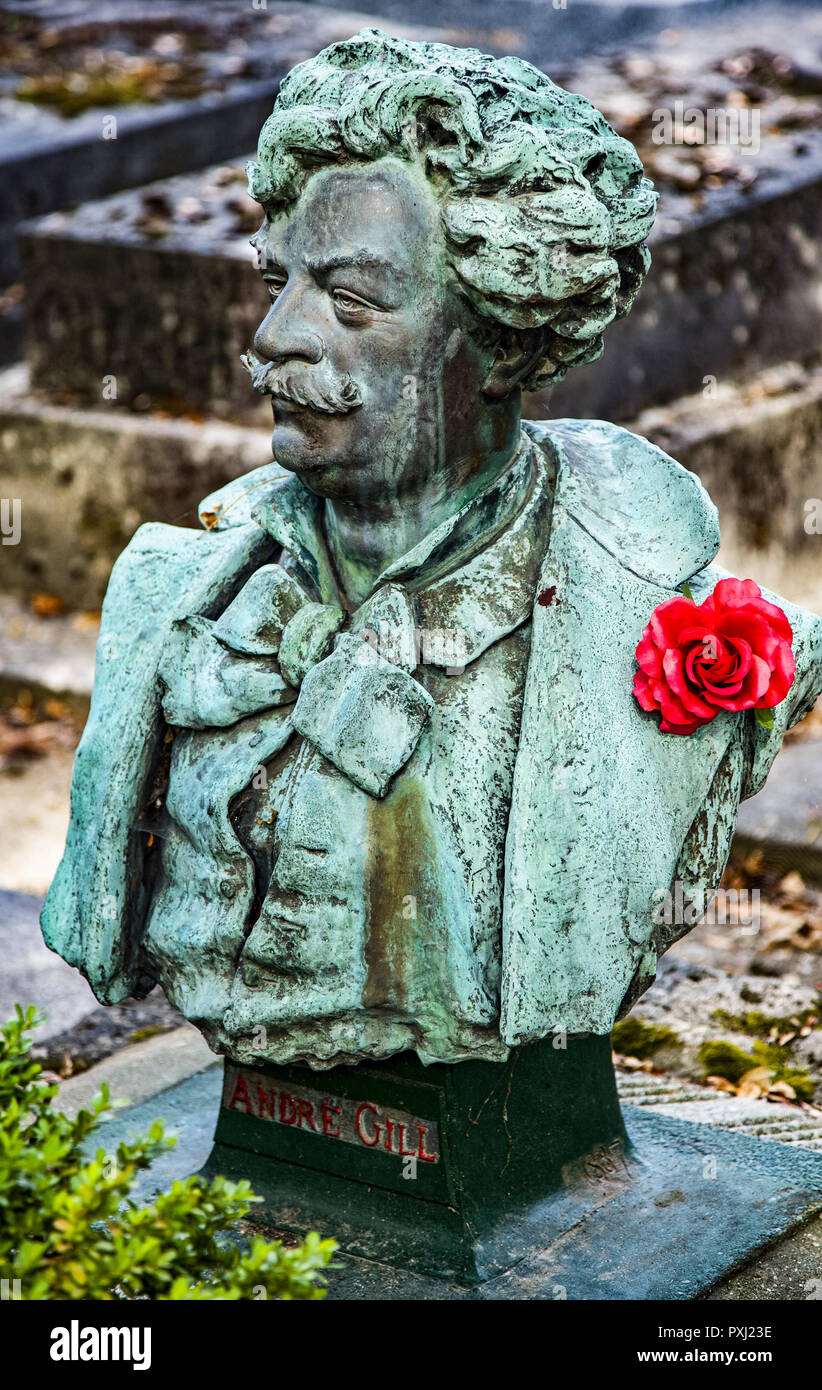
(95, 908)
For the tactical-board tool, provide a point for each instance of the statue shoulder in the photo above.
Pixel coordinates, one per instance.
(159, 554)
(168, 572)
(649, 512)
(164, 562)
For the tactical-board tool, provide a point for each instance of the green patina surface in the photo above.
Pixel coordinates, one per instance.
(329, 843)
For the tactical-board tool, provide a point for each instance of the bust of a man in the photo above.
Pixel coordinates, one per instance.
(364, 770)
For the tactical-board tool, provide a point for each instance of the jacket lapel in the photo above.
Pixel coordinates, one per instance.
(602, 802)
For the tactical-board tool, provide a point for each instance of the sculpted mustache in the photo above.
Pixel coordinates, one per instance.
(314, 386)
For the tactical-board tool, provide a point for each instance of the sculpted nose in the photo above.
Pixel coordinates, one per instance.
(284, 335)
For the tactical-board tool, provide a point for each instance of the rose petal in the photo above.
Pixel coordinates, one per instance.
(732, 593)
(668, 620)
(674, 668)
(648, 656)
(642, 692)
(753, 688)
(667, 728)
(782, 677)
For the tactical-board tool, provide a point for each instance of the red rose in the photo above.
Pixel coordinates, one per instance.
(731, 652)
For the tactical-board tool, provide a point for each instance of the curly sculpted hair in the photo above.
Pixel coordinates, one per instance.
(544, 207)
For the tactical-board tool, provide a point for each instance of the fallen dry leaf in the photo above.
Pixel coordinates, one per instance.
(782, 1088)
(756, 1082)
(47, 605)
(793, 884)
(720, 1083)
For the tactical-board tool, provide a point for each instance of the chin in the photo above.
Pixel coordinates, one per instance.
(307, 441)
(314, 451)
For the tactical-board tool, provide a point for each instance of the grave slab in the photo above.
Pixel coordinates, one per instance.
(756, 446)
(103, 473)
(784, 820)
(734, 286)
(179, 80)
(32, 974)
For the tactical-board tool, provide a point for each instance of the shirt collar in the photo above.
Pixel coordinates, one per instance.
(292, 514)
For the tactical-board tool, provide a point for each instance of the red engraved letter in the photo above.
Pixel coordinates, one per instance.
(426, 1158)
(285, 1101)
(266, 1100)
(306, 1111)
(405, 1153)
(240, 1093)
(369, 1143)
(389, 1134)
(327, 1120)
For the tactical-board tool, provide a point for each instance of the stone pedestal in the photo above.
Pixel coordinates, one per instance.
(516, 1181)
(442, 1170)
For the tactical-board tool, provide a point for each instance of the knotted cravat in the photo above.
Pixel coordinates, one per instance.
(274, 646)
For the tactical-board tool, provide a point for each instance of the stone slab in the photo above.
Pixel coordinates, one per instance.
(533, 28)
(135, 1073)
(34, 817)
(788, 1271)
(49, 161)
(760, 1119)
(735, 288)
(785, 818)
(756, 446)
(734, 285)
(53, 656)
(103, 473)
(671, 1233)
(188, 1108)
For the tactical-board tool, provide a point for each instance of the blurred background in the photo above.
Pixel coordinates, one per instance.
(127, 293)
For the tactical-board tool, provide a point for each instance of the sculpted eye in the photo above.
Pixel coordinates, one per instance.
(350, 303)
(275, 284)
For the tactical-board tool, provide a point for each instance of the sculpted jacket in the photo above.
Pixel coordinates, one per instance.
(557, 812)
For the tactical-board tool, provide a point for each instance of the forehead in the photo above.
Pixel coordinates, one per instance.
(385, 208)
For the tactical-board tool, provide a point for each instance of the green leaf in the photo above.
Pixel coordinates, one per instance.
(71, 1230)
(764, 717)
(686, 590)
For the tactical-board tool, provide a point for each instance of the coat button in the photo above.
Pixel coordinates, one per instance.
(228, 887)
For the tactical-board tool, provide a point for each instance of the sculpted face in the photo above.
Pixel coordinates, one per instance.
(367, 327)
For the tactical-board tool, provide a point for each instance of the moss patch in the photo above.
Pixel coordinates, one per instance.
(759, 1025)
(633, 1038)
(720, 1058)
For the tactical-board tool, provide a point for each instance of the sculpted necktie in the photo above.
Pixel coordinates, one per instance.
(273, 646)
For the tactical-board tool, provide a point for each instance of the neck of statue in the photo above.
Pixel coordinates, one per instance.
(364, 537)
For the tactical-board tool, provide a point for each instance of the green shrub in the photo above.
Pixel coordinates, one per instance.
(70, 1230)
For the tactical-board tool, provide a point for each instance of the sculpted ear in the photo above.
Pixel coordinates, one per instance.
(517, 354)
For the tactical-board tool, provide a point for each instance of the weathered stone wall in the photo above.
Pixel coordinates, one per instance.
(88, 479)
